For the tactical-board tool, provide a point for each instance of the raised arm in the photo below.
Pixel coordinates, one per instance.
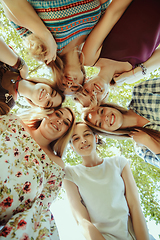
(132, 198)
(8, 56)
(22, 13)
(92, 46)
(135, 74)
(80, 212)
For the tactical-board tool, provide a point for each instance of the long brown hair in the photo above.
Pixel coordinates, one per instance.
(121, 133)
(4, 108)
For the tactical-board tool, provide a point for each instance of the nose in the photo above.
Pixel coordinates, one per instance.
(84, 141)
(94, 92)
(69, 83)
(59, 121)
(48, 96)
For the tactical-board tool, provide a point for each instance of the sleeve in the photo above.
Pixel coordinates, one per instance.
(4, 122)
(147, 155)
(36, 222)
(22, 31)
(69, 173)
(122, 163)
(105, 5)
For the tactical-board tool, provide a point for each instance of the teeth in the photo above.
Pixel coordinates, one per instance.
(97, 87)
(85, 146)
(112, 119)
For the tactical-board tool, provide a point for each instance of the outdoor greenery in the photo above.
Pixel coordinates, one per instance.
(146, 176)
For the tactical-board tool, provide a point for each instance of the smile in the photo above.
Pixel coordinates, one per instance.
(112, 120)
(54, 126)
(85, 147)
(98, 88)
(42, 94)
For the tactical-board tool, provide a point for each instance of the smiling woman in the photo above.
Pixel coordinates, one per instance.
(40, 92)
(141, 121)
(34, 150)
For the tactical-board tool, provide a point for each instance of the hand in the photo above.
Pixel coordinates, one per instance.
(24, 71)
(127, 77)
(140, 137)
(51, 48)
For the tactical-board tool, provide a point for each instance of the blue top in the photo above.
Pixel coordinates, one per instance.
(66, 19)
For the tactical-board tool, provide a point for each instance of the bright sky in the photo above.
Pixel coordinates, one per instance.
(67, 226)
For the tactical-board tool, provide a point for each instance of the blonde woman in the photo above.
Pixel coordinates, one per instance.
(32, 172)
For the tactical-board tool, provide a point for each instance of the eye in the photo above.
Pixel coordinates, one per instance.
(58, 114)
(86, 90)
(87, 134)
(52, 92)
(76, 139)
(66, 123)
(101, 111)
(48, 103)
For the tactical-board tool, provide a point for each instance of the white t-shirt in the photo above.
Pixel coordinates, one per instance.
(102, 189)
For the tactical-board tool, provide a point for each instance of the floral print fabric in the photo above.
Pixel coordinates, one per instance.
(29, 182)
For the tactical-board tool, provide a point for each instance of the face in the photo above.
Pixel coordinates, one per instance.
(83, 140)
(44, 96)
(107, 118)
(72, 80)
(94, 91)
(56, 124)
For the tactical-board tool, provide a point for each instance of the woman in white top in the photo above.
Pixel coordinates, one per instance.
(102, 192)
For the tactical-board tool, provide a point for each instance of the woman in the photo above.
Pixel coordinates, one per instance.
(64, 26)
(13, 73)
(141, 121)
(94, 92)
(131, 42)
(31, 172)
(102, 192)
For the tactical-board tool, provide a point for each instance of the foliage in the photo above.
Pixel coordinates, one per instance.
(146, 176)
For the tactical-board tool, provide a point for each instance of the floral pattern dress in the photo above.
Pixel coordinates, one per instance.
(29, 182)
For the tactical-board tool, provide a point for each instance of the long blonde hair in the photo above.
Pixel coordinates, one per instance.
(38, 50)
(120, 133)
(33, 118)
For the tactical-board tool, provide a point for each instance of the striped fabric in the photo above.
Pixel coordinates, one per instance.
(66, 19)
(146, 103)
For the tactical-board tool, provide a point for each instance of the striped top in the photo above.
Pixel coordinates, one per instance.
(66, 19)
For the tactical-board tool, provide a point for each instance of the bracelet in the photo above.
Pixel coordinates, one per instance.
(19, 64)
(144, 69)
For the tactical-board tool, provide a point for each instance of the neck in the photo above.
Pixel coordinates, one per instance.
(40, 139)
(132, 119)
(91, 160)
(72, 58)
(25, 88)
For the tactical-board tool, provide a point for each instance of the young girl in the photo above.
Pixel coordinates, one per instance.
(141, 121)
(31, 172)
(102, 192)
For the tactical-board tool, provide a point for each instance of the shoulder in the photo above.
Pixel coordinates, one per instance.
(118, 162)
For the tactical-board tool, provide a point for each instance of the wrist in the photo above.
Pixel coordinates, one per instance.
(19, 64)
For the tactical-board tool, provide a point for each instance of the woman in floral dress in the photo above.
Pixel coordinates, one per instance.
(31, 173)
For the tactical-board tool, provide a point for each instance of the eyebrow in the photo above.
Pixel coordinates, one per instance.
(83, 132)
(66, 118)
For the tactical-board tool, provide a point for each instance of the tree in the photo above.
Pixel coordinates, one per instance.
(146, 176)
